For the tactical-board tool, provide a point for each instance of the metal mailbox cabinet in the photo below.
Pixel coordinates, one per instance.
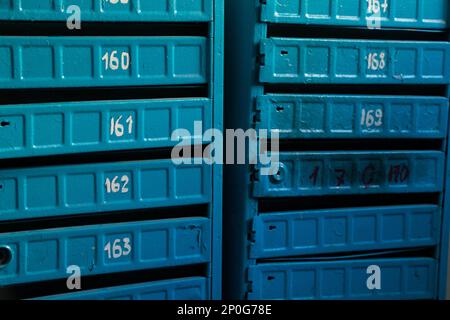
(31, 130)
(88, 129)
(355, 205)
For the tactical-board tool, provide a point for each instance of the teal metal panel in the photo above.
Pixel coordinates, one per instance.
(413, 278)
(420, 14)
(327, 173)
(353, 116)
(46, 62)
(31, 256)
(62, 128)
(217, 92)
(444, 245)
(343, 61)
(195, 288)
(81, 189)
(288, 234)
(111, 11)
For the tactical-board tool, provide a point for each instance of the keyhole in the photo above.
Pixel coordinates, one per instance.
(280, 108)
(272, 228)
(284, 52)
(270, 278)
(278, 177)
(4, 123)
(5, 256)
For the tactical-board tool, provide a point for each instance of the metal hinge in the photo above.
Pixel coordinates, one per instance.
(257, 117)
(249, 283)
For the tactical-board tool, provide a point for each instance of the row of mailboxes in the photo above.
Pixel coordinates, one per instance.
(89, 183)
(355, 207)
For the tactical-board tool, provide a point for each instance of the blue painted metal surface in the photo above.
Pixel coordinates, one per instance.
(413, 278)
(77, 189)
(325, 173)
(62, 128)
(38, 62)
(101, 10)
(342, 61)
(444, 246)
(99, 249)
(339, 116)
(217, 92)
(344, 230)
(195, 288)
(420, 14)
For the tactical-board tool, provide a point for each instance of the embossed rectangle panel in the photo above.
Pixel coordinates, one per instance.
(61, 128)
(195, 288)
(90, 188)
(353, 117)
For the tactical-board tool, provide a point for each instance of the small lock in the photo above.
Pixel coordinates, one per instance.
(5, 256)
(279, 174)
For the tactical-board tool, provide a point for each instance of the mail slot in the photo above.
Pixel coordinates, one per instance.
(288, 234)
(419, 14)
(100, 249)
(344, 61)
(111, 11)
(81, 189)
(353, 116)
(46, 62)
(332, 173)
(194, 288)
(62, 128)
(371, 279)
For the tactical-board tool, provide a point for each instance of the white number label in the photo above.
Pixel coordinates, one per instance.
(375, 6)
(115, 185)
(118, 1)
(112, 60)
(119, 248)
(117, 128)
(376, 61)
(372, 118)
